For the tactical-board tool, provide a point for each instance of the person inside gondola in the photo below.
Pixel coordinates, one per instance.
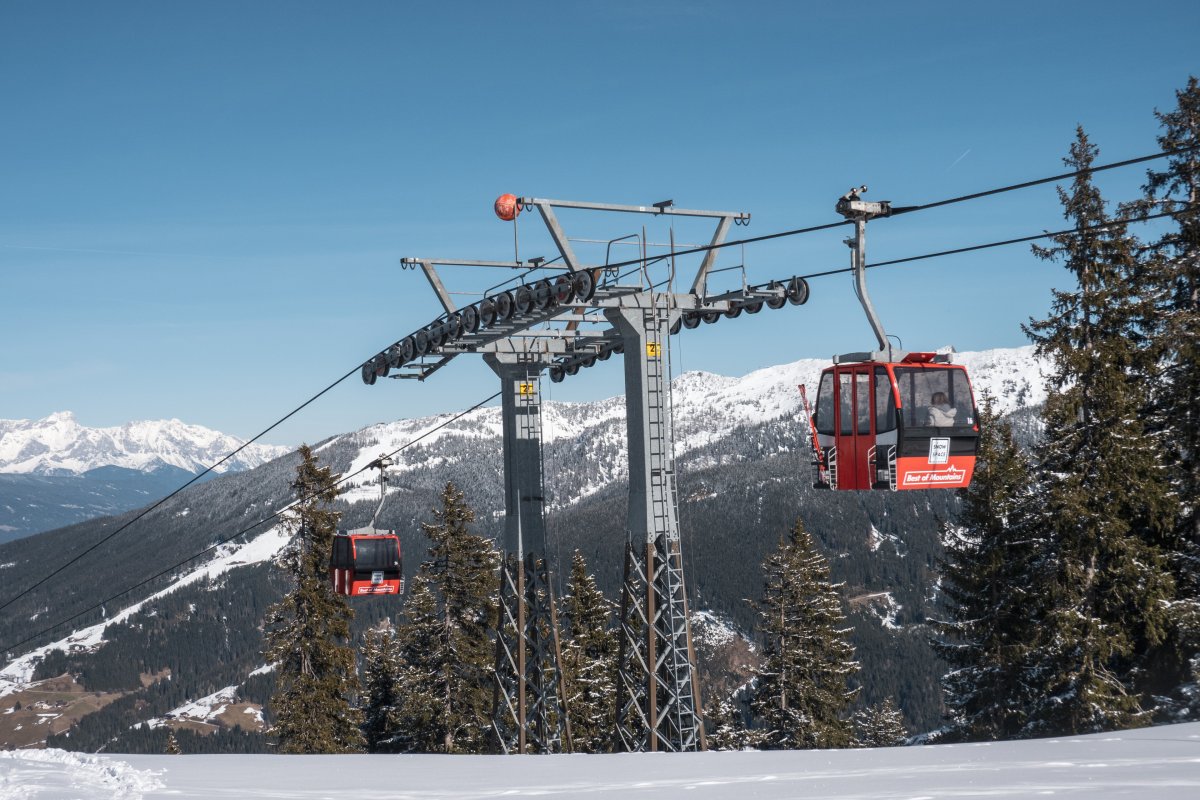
(941, 413)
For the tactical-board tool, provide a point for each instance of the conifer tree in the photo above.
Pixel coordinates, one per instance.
(801, 689)
(308, 631)
(423, 679)
(1171, 281)
(589, 661)
(1101, 496)
(382, 684)
(724, 726)
(880, 725)
(446, 640)
(985, 584)
(173, 748)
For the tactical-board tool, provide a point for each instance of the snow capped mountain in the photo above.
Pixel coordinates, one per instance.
(59, 445)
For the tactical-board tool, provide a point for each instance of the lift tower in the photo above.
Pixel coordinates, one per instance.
(560, 316)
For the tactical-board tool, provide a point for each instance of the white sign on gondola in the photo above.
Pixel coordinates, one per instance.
(939, 451)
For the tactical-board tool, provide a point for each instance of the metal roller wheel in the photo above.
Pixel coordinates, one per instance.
(605, 353)
(776, 302)
(753, 307)
(421, 341)
(710, 316)
(470, 319)
(407, 349)
(380, 364)
(556, 374)
(691, 320)
(487, 313)
(368, 374)
(564, 291)
(437, 334)
(395, 356)
(588, 360)
(797, 291)
(523, 300)
(543, 295)
(585, 285)
(454, 326)
(504, 306)
(571, 367)
(733, 312)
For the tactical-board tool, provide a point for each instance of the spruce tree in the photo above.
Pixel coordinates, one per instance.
(1171, 281)
(724, 726)
(381, 682)
(880, 725)
(422, 679)
(589, 661)
(1101, 495)
(173, 748)
(985, 583)
(446, 639)
(801, 688)
(308, 631)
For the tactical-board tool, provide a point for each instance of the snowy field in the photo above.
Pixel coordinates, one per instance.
(1153, 763)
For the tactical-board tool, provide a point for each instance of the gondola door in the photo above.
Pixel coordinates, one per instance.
(855, 434)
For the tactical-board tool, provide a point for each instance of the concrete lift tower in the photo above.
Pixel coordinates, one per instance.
(563, 315)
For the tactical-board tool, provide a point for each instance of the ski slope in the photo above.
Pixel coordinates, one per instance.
(1153, 763)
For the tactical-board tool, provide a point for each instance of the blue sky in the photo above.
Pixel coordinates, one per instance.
(203, 205)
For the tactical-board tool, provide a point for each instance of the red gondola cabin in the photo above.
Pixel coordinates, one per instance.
(365, 563)
(909, 424)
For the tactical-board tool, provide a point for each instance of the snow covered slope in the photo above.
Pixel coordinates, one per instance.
(59, 445)
(1160, 763)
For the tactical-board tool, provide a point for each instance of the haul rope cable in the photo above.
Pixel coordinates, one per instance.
(704, 248)
(925, 206)
(247, 529)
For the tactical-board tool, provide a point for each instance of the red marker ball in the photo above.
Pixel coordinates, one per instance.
(507, 207)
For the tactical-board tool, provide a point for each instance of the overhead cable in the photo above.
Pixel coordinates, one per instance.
(925, 206)
(972, 248)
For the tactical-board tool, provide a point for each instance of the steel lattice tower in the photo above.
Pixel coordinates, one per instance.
(657, 698)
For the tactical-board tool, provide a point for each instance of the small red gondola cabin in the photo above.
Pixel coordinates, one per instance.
(908, 424)
(366, 562)
(890, 419)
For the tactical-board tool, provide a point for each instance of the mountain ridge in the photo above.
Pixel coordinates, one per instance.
(58, 445)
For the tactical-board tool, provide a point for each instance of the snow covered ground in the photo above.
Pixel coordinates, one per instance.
(1153, 763)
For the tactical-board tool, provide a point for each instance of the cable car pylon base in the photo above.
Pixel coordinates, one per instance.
(657, 692)
(529, 715)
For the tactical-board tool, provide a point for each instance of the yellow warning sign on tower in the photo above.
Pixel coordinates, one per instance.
(525, 389)
(653, 349)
